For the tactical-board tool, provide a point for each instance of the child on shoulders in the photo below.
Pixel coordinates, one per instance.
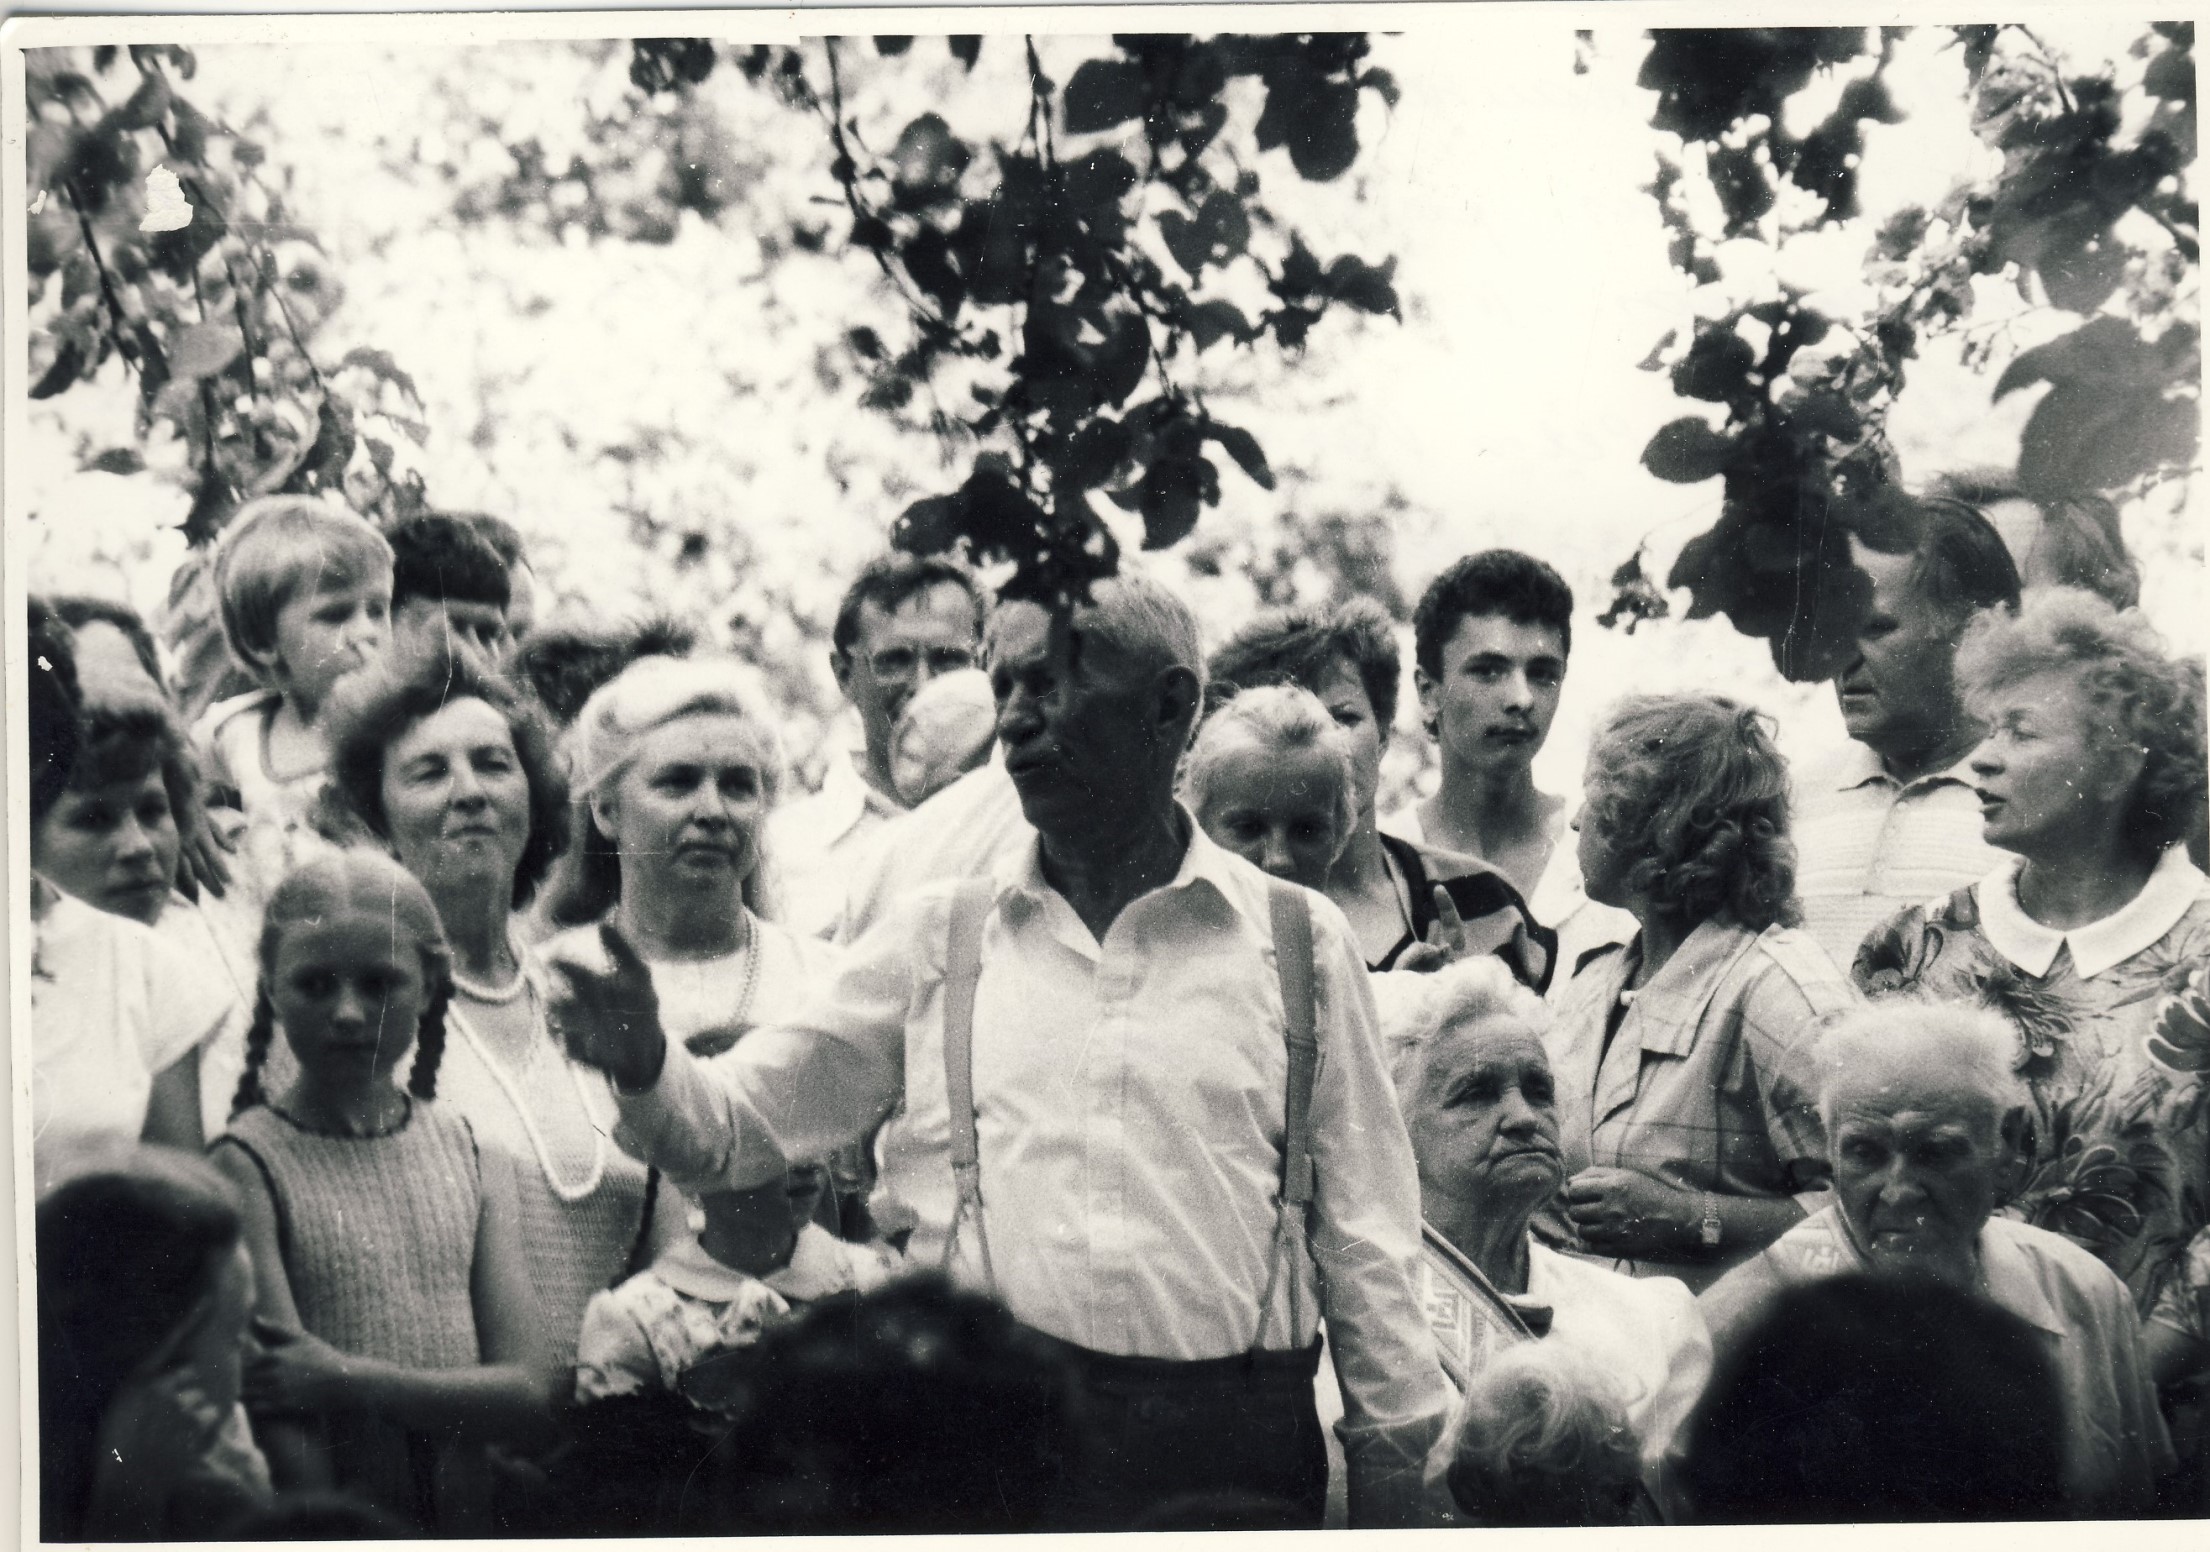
(305, 590)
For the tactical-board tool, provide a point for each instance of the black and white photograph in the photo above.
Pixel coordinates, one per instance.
(1362, 768)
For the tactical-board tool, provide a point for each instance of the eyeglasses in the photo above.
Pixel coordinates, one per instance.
(905, 662)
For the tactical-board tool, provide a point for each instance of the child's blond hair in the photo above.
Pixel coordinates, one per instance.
(277, 546)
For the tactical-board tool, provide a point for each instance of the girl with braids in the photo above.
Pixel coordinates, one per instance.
(399, 1331)
(1686, 1098)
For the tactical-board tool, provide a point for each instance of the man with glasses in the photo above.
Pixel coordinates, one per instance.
(904, 620)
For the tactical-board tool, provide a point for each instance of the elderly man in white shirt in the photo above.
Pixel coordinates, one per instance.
(904, 621)
(1130, 1098)
(1927, 1119)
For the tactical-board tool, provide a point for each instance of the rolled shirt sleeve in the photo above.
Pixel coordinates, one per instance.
(1783, 1008)
(1365, 1241)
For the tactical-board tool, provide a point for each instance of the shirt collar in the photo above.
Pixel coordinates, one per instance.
(2012, 1281)
(847, 796)
(1020, 876)
(1675, 998)
(2174, 886)
(1860, 767)
(686, 1268)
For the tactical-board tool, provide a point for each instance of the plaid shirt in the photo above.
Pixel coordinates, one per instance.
(1707, 1084)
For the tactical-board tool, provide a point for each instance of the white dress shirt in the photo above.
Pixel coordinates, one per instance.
(1129, 1104)
(821, 839)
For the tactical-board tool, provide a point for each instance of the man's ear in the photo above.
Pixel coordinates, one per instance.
(1429, 692)
(1177, 696)
(840, 664)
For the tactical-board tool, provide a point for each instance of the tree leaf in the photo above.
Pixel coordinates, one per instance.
(1095, 453)
(1102, 93)
(1367, 287)
(966, 47)
(1716, 368)
(68, 362)
(892, 44)
(116, 460)
(204, 349)
(1210, 322)
(1686, 452)
(1244, 449)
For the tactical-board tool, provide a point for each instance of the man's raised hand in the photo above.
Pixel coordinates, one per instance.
(609, 1019)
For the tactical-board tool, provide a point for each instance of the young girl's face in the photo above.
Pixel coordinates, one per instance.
(113, 846)
(349, 991)
(325, 633)
(1280, 809)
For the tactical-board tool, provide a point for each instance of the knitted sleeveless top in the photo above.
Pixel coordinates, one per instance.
(378, 1234)
(574, 1249)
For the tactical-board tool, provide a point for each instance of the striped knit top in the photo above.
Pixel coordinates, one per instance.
(378, 1233)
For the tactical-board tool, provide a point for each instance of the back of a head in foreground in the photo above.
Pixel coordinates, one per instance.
(915, 1409)
(1861, 1398)
(1542, 1438)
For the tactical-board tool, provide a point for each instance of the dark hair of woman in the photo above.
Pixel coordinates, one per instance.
(125, 1255)
(371, 711)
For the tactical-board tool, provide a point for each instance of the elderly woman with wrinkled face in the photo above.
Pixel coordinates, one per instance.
(1481, 1107)
(1930, 1127)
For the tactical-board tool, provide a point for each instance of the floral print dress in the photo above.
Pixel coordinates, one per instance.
(2115, 1044)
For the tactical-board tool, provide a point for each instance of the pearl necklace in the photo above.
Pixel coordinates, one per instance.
(507, 1086)
(496, 996)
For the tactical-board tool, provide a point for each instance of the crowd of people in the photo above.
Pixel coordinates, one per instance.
(474, 1093)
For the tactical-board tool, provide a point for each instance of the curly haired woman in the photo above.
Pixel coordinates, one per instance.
(1683, 1057)
(2091, 775)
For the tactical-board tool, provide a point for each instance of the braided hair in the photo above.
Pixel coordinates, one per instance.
(320, 888)
(260, 1034)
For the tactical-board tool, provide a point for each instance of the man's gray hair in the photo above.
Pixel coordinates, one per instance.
(1975, 1044)
(1146, 622)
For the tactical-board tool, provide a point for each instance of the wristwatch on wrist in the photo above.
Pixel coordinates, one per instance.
(1711, 1227)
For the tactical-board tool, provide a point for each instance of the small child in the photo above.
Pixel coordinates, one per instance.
(447, 581)
(944, 732)
(391, 1291)
(306, 600)
(1268, 778)
(757, 1255)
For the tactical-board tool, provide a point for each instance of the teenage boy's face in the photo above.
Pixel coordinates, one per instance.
(328, 632)
(425, 621)
(1493, 704)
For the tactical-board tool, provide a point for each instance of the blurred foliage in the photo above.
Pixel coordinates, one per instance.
(1056, 297)
(159, 241)
(2089, 213)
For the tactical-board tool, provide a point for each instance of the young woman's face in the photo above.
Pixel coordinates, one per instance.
(1279, 809)
(687, 811)
(456, 798)
(349, 992)
(2043, 774)
(114, 846)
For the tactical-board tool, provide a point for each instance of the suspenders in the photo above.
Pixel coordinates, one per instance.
(1291, 920)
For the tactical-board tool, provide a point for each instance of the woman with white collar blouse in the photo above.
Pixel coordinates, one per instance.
(2091, 774)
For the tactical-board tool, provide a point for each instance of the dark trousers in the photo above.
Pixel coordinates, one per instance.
(1193, 1442)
